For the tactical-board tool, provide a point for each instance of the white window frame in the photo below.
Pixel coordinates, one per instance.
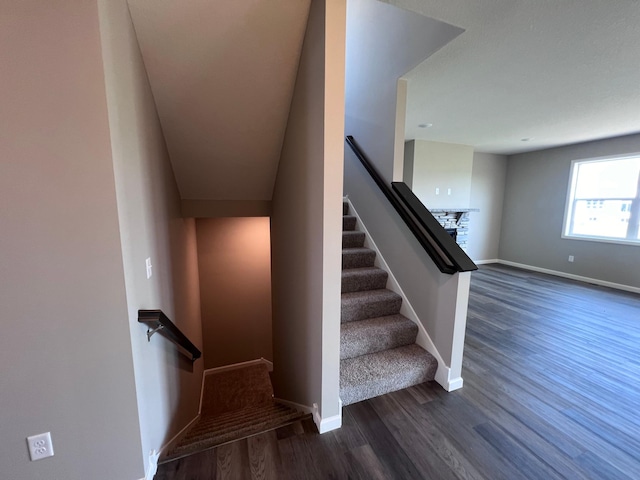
(573, 179)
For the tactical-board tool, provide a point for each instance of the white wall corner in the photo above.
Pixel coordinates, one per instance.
(443, 378)
(486, 262)
(325, 425)
(152, 465)
(398, 141)
(460, 325)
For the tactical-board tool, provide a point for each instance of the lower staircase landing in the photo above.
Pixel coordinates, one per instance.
(236, 404)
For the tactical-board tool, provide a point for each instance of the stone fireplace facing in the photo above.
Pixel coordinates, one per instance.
(455, 219)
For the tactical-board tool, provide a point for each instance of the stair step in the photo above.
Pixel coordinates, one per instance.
(376, 334)
(360, 279)
(345, 208)
(250, 421)
(357, 257)
(369, 304)
(348, 222)
(352, 239)
(368, 376)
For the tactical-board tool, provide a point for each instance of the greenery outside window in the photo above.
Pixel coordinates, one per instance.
(603, 203)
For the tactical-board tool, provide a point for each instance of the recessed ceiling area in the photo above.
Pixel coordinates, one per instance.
(222, 76)
(552, 73)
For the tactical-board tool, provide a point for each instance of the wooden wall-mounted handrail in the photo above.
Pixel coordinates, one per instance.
(158, 322)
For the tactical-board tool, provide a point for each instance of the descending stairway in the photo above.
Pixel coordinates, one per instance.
(235, 404)
(378, 353)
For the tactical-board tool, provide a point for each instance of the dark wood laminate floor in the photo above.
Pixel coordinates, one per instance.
(551, 391)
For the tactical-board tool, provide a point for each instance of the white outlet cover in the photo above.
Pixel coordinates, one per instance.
(149, 267)
(40, 446)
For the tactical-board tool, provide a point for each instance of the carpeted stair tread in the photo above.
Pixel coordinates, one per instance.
(376, 334)
(369, 304)
(205, 426)
(352, 239)
(231, 390)
(366, 278)
(233, 418)
(368, 376)
(357, 257)
(261, 420)
(378, 353)
(348, 222)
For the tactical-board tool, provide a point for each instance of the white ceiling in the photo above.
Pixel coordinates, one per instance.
(222, 75)
(554, 71)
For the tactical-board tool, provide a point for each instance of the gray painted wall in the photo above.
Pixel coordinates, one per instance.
(306, 221)
(151, 226)
(534, 203)
(487, 194)
(65, 346)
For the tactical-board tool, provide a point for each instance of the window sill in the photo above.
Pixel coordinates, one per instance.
(618, 241)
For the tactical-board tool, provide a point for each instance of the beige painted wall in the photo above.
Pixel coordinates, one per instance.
(65, 346)
(446, 167)
(306, 222)
(234, 259)
(151, 226)
(487, 195)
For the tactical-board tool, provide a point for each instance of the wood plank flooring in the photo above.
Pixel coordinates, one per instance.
(551, 391)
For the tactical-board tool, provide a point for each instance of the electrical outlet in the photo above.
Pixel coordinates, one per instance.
(437, 191)
(448, 191)
(571, 258)
(40, 446)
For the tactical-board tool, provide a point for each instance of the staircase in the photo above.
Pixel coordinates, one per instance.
(235, 404)
(378, 353)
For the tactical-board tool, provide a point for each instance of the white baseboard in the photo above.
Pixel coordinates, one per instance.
(235, 366)
(173, 439)
(484, 262)
(297, 406)
(423, 339)
(152, 467)
(604, 283)
(325, 425)
(449, 384)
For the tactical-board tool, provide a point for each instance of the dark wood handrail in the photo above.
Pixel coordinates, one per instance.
(439, 245)
(160, 323)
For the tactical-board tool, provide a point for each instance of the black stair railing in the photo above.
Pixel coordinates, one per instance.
(439, 245)
(158, 322)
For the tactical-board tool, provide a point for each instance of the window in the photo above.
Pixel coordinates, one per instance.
(604, 200)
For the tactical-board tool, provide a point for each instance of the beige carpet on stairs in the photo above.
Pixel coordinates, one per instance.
(236, 404)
